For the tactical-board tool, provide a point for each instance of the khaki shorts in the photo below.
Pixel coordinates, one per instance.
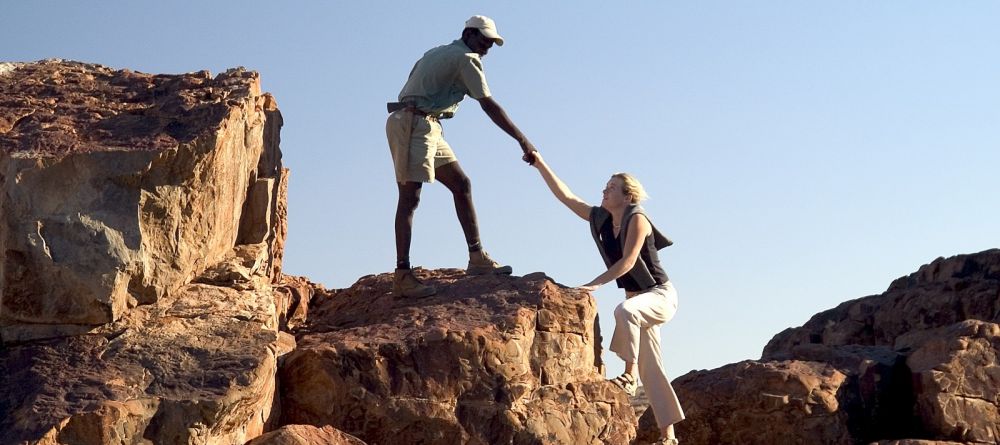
(417, 146)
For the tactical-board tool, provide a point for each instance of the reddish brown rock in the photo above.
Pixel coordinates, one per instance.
(487, 360)
(141, 222)
(292, 297)
(942, 293)
(956, 375)
(306, 435)
(917, 364)
(280, 226)
(763, 403)
(197, 367)
(873, 399)
(915, 442)
(118, 187)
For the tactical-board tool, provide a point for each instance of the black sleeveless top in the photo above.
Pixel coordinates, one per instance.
(648, 271)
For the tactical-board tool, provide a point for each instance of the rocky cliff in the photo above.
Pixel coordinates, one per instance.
(142, 299)
(120, 187)
(919, 363)
(141, 233)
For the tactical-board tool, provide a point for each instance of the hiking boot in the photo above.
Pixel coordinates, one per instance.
(480, 263)
(405, 284)
(626, 382)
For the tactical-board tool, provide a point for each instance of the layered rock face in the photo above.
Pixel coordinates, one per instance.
(919, 363)
(117, 187)
(197, 367)
(141, 230)
(306, 435)
(488, 360)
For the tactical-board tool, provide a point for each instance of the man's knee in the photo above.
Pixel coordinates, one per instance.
(409, 196)
(452, 176)
(465, 184)
(461, 185)
(411, 201)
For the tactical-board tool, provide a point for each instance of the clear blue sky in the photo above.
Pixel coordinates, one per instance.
(799, 153)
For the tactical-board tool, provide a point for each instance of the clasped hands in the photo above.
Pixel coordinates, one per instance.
(529, 152)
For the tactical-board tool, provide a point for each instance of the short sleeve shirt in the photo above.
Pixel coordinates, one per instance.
(443, 77)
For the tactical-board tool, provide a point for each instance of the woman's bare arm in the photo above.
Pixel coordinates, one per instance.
(560, 190)
(638, 230)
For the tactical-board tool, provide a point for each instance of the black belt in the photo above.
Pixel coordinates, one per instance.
(393, 107)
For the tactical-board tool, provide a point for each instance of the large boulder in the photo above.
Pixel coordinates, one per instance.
(118, 187)
(956, 376)
(852, 392)
(792, 402)
(487, 360)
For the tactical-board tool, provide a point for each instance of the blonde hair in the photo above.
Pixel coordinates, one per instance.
(631, 186)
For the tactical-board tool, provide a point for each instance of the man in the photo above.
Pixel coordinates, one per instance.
(437, 83)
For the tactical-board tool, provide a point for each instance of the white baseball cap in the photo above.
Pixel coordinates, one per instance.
(486, 26)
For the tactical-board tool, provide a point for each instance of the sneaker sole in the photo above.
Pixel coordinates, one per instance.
(624, 389)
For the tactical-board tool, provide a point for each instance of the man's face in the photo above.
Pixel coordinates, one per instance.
(480, 44)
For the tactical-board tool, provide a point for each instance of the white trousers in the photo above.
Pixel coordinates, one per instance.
(637, 340)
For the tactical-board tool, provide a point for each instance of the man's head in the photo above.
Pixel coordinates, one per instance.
(480, 34)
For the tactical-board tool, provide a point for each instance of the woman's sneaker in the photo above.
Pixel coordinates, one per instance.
(626, 382)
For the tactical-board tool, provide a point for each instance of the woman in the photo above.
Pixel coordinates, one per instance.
(628, 243)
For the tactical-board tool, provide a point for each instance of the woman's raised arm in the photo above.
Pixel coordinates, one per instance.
(560, 190)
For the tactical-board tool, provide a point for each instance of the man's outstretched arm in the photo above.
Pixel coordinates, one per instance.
(499, 117)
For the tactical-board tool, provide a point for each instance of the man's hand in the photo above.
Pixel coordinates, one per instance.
(529, 152)
(589, 287)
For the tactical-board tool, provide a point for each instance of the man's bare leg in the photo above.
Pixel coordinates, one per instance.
(455, 179)
(405, 283)
(409, 199)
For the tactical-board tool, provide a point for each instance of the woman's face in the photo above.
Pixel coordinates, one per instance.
(614, 194)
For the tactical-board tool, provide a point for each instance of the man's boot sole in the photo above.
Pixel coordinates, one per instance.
(505, 270)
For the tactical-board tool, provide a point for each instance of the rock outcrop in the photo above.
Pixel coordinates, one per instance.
(118, 187)
(488, 360)
(919, 363)
(942, 293)
(306, 435)
(142, 222)
(197, 367)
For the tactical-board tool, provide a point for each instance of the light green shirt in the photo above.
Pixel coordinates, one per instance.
(443, 77)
